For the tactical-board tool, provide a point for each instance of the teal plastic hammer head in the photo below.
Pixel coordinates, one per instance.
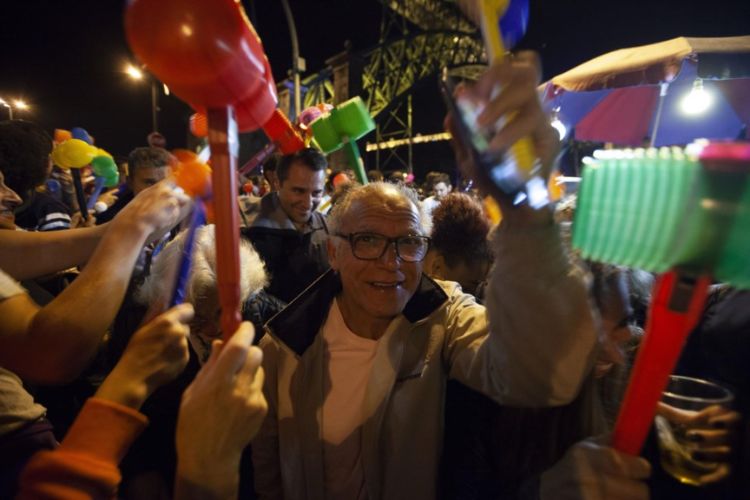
(669, 208)
(347, 122)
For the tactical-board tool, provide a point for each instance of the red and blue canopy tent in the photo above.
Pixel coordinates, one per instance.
(636, 96)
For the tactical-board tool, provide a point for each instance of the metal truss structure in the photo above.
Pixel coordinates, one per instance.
(431, 14)
(417, 39)
(396, 67)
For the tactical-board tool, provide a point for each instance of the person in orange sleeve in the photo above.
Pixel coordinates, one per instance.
(226, 394)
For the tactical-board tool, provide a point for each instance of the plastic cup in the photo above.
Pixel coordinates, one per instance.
(688, 396)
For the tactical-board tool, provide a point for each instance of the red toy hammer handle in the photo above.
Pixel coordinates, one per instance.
(675, 310)
(280, 130)
(224, 180)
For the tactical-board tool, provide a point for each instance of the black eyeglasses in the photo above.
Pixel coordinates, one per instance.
(372, 246)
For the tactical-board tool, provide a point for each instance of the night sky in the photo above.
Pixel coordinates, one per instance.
(65, 57)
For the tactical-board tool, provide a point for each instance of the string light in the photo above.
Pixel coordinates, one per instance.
(417, 139)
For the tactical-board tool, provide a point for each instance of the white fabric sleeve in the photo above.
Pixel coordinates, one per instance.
(9, 287)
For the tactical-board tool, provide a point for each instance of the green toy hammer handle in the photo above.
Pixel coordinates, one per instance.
(355, 160)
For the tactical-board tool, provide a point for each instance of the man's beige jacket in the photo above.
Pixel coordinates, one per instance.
(531, 346)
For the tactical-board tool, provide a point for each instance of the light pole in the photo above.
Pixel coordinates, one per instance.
(10, 108)
(295, 58)
(154, 105)
(138, 75)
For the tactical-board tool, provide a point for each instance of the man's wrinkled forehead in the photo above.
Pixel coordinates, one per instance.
(377, 208)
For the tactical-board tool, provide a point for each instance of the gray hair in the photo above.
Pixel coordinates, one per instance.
(158, 284)
(376, 189)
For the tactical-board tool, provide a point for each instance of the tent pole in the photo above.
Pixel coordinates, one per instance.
(662, 94)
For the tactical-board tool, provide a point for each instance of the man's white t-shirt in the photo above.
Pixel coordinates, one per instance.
(17, 407)
(349, 360)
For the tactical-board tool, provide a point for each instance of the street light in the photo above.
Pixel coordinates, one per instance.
(133, 72)
(137, 74)
(19, 104)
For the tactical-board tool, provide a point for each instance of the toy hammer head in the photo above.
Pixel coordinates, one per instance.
(104, 166)
(669, 208)
(503, 23)
(682, 211)
(347, 122)
(281, 132)
(74, 153)
(191, 174)
(206, 51)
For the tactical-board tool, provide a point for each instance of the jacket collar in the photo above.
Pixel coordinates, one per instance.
(299, 322)
(272, 216)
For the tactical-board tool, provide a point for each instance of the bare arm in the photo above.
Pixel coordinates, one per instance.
(86, 463)
(543, 334)
(25, 255)
(60, 338)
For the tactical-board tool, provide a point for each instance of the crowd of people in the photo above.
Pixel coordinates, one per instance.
(396, 343)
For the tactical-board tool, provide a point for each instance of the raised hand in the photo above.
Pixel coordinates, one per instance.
(156, 354)
(156, 209)
(508, 89)
(221, 411)
(709, 434)
(591, 470)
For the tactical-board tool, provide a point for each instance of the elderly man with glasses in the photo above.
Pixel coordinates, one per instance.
(356, 365)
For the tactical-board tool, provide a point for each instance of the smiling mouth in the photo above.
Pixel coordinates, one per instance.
(7, 214)
(386, 285)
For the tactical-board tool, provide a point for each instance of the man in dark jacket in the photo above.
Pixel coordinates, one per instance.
(288, 233)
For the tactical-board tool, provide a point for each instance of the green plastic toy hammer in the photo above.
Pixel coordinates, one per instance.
(346, 123)
(682, 213)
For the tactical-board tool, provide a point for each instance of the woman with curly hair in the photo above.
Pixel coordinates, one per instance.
(459, 250)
